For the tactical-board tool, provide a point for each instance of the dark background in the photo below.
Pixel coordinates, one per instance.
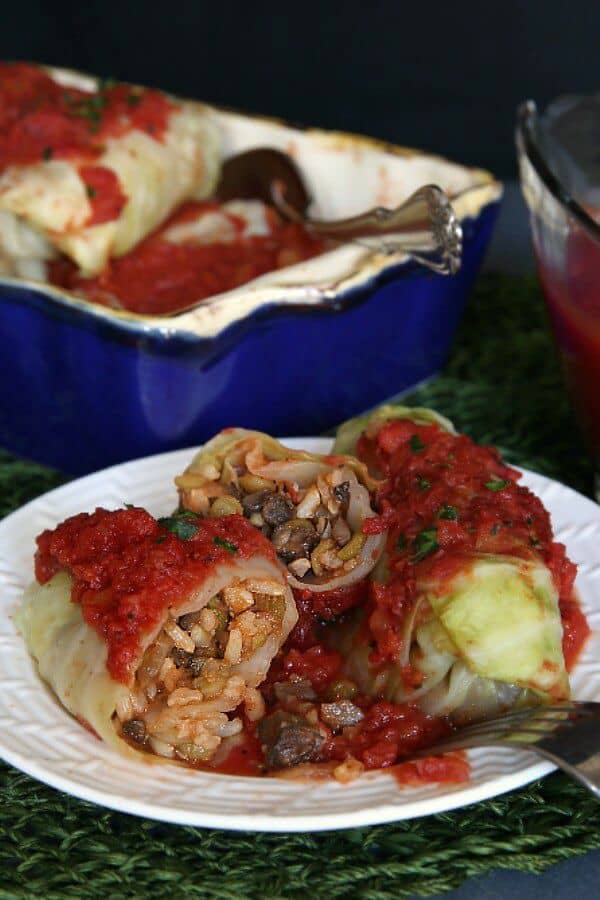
(441, 76)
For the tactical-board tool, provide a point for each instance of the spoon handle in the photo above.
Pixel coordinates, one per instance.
(424, 227)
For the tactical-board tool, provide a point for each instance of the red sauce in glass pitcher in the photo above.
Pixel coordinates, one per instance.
(573, 299)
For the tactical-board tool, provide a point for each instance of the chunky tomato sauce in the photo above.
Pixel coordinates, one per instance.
(104, 192)
(159, 276)
(40, 120)
(316, 607)
(388, 732)
(128, 569)
(444, 497)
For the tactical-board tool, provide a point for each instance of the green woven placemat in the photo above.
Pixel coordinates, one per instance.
(502, 386)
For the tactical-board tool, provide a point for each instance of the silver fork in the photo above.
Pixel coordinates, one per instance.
(568, 734)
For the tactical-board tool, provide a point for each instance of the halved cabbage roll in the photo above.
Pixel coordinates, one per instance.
(89, 173)
(154, 634)
(312, 508)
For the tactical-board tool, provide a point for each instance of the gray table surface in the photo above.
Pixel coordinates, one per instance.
(511, 251)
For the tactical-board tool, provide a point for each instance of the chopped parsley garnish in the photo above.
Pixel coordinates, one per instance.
(47, 154)
(227, 545)
(529, 520)
(91, 192)
(424, 544)
(423, 483)
(184, 524)
(129, 505)
(448, 512)
(90, 108)
(416, 444)
(107, 83)
(495, 529)
(401, 542)
(497, 484)
(134, 99)
(534, 542)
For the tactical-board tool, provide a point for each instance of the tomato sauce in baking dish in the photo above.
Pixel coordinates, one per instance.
(161, 276)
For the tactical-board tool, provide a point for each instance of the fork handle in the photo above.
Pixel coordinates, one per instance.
(579, 758)
(424, 226)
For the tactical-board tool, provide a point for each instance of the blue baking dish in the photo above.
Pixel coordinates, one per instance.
(293, 352)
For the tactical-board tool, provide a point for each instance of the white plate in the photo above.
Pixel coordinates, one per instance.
(39, 737)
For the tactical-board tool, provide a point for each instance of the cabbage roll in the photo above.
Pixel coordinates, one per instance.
(155, 635)
(312, 508)
(464, 616)
(488, 639)
(89, 173)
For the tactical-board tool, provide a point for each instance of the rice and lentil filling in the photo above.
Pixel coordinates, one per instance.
(196, 673)
(156, 633)
(312, 508)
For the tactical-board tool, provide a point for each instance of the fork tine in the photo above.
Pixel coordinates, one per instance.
(498, 726)
(522, 726)
(535, 720)
(544, 716)
(584, 708)
(539, 730)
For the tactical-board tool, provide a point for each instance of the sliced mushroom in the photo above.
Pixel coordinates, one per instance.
(253, 503)
(135, 730)
(180, 657)
(342, 493)
(277, 509)
(288, 740)
(341, 714)
(295, 539)
(186, 621)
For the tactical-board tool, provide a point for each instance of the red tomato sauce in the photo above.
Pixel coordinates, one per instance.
(451, 768)
(104, 193)
(159, 276)
(128, 569)
(575, 630)
(388, 732)
(244, 758)
(573, 300)
(444, 497)
(41, 120)
(316, 607)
